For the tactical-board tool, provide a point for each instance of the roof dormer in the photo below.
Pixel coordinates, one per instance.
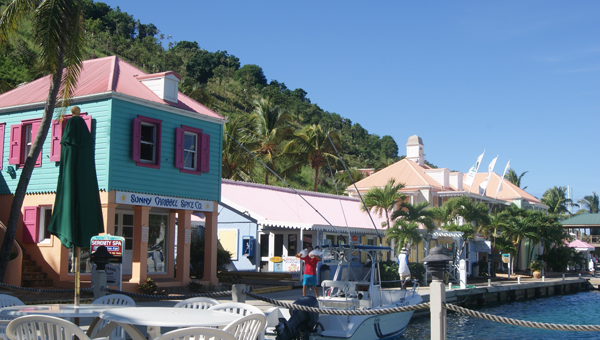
(163, 84)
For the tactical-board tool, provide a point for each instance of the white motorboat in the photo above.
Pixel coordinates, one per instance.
(357, 288)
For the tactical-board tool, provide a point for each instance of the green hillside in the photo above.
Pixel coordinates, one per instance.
(238, 91)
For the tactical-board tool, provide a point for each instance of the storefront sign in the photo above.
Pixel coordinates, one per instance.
(114, 245)
(158, 201)
(444, 240)
(292, 265)
(276, 259)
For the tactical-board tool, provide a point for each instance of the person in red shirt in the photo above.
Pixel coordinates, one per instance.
(310, 258)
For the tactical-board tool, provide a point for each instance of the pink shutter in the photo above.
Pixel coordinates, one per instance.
(34, 130)
(14, 150)
(30, 232)
(179, 137)
(88, 121)
(136, 139)
(1, 143)
(55, 138)
(205, 152)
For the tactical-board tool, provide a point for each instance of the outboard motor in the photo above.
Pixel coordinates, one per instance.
(300, 322)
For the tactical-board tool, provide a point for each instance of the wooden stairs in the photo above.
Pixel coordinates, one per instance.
(32, 275)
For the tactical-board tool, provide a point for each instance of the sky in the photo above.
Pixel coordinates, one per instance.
(518, 79)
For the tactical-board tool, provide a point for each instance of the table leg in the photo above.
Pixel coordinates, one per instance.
(153, 332)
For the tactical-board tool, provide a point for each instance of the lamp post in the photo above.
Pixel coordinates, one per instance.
(436, 263)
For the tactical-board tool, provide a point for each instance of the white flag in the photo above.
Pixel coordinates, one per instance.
(502, 179)
(483, 185)
(473, 171)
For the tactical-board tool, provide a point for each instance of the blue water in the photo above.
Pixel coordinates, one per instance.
(576, 309)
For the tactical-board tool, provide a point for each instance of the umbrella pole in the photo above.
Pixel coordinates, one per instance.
(77, 269)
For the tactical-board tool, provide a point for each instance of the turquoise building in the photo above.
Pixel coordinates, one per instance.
(158, 156)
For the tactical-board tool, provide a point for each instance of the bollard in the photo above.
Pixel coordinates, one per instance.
(436, 263)
(543, 279)
(519, 280)
(563, 277)
(237, 294)
(99, 283)
(489, 282)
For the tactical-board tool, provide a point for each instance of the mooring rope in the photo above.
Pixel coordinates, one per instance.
(39, 290)
(338, 311)
(169, 297)
(530, 324)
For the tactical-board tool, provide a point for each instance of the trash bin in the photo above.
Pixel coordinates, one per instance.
(475, 269)
(324, 273)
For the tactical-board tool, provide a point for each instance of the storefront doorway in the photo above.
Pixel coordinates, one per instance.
(124, 228)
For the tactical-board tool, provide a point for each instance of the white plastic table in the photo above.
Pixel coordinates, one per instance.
(64, 311)
(156, 317)
(58, 310)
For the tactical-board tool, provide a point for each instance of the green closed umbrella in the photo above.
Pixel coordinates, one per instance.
(77, 213)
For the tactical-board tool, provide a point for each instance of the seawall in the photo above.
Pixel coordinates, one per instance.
(507, 292)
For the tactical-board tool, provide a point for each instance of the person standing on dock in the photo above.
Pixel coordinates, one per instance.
(310, 258)
(592, 266)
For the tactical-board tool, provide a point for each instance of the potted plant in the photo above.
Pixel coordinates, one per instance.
(536, 267)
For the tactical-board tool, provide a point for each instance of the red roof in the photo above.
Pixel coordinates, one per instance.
(109, 74)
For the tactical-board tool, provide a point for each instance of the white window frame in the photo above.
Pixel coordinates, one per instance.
(153, 143)
(193, 151)
(43, 225)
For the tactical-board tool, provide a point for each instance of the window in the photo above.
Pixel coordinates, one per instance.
(21, 140)
(190, 156)
(146, 142)
(192, 150)
(57, 132)
(35, 224)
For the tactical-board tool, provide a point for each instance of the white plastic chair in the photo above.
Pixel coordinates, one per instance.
(197, 333)
(250, 327)
(7, 301)
(237, 308)
(42, 327)
(112, 299)
(197, 303)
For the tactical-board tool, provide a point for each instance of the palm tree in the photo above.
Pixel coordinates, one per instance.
(345, 179)
(58, 34)
(403, 232)
(383, 200)
(416, 213)
(270, 128)
(475, 213)
(557, 201)
(237, 163)
(591, 203)
(441, 215)
(520, 227)
(515, 179)
(197, 92)
(313, 145)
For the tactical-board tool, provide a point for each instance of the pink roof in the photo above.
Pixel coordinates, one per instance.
(276, 206)
(581, 244)
(109, 74)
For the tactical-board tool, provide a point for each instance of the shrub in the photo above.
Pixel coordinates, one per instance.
(148, 287)
(535, 266)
